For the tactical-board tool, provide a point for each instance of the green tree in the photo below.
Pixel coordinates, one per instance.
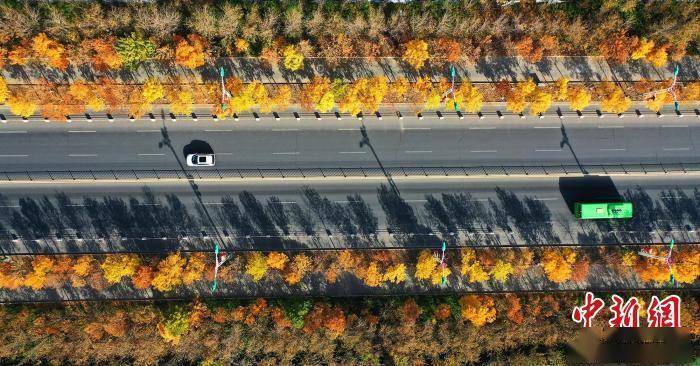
(295, 310)
(135, 49)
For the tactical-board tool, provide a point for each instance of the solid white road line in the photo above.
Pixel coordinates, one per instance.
(482, 128)
(14, 156)
(674, 126)
(348, 129)
(352, 152)
(676, 148)
(81, 131)
(147, 130)
(146, 154)
(82, 155)
(13, 131)
(548, 150)
(418, 151)
(284, 129)
(483, 151)
(618, 149)
(218, 130)
(286, 153)
(552, 127)
(611, 126)
(416, 128)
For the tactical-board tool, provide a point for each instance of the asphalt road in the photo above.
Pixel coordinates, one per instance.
(312, 143)
(546, 190)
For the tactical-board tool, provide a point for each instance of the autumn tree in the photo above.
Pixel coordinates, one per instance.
(658, 56)
(277, 260)
(41, 267)
(256, 266)
(181, 102)
(281, 98)
(293, 59)
(50, 50)
(189, 52)
(143, 277)
(317, 95)
(194, 270)
(541, 100)
(21, 105)
(617, 47)
(105, 54)
(364, 94)
(472, 267)
(643, 48)
(479, 310)
(468, 97)
(686, 266)
(614, 99)
(300, 265)
(117, 266)
(446, 51)
(396, 273)
(528, 49)
(4, 91)
(169, 272)
(578, 97)
(557, 263)
(372, 276)
(174, 324)
(561, 88)
(657, 101)
(416, 53)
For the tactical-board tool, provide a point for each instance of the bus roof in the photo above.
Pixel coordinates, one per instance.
(621, 210)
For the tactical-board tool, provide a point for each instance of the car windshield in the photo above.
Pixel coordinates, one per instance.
(194, 159)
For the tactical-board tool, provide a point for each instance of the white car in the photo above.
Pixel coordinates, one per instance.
(200, 160)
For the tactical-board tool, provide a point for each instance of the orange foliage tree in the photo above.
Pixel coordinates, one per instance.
(479, 310)
(105, 55)
(557, 263)
(51, 50)
(189, 52)
(613, 98)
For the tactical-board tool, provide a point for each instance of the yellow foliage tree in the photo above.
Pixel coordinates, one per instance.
(643, 48)
(578, 97)
(399, 88)
(658, 56)
(364, 94)
(190, 52)
(80, 91)
(300, 265)
(293, 59)
(425, 266)
(562, 88)
(21, 105)
(281, 98)
(83, 265)
(658, 101)
(277, 260)
(4, 91)
(686, 267)
(691, 91)
(468, 97)
(169, 273)
(416, 53)
(541, 100)
(256, 266)
(613, 98)
(501, 270)
(479, 310)
(152, 90)
(181, 102)
(557, 263)
(515, 101)
(117, 266)
(396, 273)
(194, 269)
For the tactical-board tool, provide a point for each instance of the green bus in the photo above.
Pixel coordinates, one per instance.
(616, 210)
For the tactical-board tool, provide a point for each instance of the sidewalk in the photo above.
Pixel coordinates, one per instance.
(575, 68)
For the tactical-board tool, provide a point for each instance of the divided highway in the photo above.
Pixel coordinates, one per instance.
(101, 145)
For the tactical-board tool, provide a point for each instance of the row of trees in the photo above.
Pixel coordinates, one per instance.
(374, 268)
(291, 30)
(323, 94)
(500, 329)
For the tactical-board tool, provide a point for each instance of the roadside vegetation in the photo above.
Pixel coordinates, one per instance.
(115, 35)
(411, 270)
(504, 329)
